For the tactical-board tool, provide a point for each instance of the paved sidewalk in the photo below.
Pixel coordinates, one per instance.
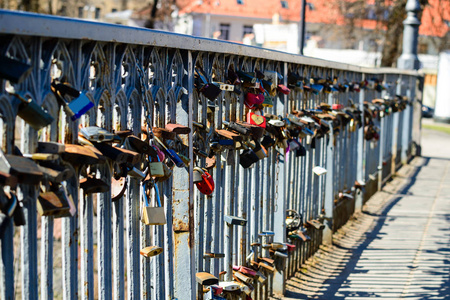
(399, 246)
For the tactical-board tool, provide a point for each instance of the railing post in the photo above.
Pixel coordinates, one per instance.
(406, 127)
(279, 225)
(327, 237)
(361, 154)
(183, 210)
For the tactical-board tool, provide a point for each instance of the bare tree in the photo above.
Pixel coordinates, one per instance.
(386, 21)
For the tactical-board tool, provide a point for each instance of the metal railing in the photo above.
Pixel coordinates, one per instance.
(99, 246)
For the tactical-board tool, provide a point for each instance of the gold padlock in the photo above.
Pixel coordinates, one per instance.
(151, 251)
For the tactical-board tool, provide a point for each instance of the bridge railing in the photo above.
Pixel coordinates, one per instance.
(133, 73)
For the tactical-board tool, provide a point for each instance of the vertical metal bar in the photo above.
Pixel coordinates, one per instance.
(7, 261)
(47, 257)
(118, 250)
(104, 241)
(28, 232)
(329, 193)
(87, 247)
(279, 225)
(183, 211)
(361, 153)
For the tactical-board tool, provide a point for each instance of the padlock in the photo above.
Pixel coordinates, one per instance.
(260, 151)
(197, 176)
(279, 254)
(8, 179)
(237, 127)
(92, 185)
(316, 224)
(78, 106)
(251, 99)
(214, 255)
(246, 288)
(79, 155)
(206, 185)
(229, 286)
(209, 90)
(279, 246)
(152, 215)
(266, 267)
(172, 154)
(319, 170)
(26, 171)
(63, 193)
(151, 251)
(256, 131)
(56, 173)
(167, 172)
(247, 158)
(185, 159)
(9, 206)
(241, 277)
(163, 133)
(118, 187)
(31, 112)
(160, 155)
(232, 77)
(156, 169)
(226, 134)
(283, 89)
(267, 260)
(97, 134)
(135, 172)
(246, 77)
(293, 144)
(51, 204)
(237, 221)
(50, 147)
(14, 70)
(247, 271)
(255, 119)
(276, 122)
(140, 146)
(301, 151)
(178, 129)
(116, 154)
(205, 278)
(42, 156)
(267, 141)
(19, 215)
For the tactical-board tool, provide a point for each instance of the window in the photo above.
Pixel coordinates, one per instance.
(422, 48)
(284, 4)
(224, 32)
(97, 12)
(80, 12)
(240, 2)
(248, 29)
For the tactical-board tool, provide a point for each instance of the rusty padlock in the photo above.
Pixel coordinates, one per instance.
(51, 204)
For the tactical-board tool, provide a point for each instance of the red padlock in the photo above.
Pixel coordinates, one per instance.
(206, 185)
(290, 247)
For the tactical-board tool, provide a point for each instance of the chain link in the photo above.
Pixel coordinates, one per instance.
(276, 176)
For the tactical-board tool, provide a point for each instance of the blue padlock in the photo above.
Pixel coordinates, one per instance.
(79, 104)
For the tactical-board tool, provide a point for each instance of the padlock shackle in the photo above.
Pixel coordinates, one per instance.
(158, 200)
(198, 169)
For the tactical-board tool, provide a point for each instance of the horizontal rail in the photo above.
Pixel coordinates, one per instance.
(31, 24)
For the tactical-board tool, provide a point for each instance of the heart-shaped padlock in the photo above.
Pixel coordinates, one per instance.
(206, 185)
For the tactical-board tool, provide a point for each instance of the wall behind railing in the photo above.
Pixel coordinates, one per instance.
(133, 73)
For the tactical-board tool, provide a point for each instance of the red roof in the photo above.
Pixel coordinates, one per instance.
(324, 12)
